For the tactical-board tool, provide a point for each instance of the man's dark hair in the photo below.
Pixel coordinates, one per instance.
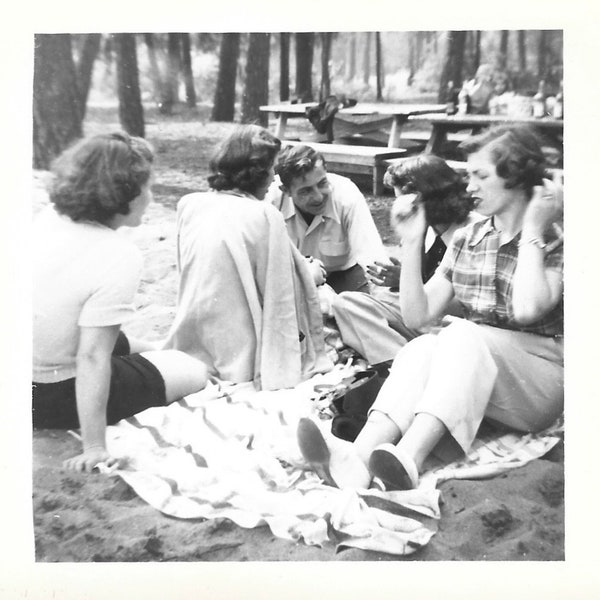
(296, 161)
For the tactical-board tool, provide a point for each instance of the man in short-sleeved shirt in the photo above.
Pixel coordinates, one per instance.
(327, 218)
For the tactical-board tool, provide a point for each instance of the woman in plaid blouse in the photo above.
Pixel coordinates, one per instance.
(504, 361)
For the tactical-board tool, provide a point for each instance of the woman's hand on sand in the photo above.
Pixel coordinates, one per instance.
(317, 270)
(408, 218)
(544, 208)
(89, 459)
(384, 274)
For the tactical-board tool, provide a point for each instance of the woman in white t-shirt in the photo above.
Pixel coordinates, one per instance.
(85, 372)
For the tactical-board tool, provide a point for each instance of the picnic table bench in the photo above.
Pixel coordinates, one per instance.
(348, 158)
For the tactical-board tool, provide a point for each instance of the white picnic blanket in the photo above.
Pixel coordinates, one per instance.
(230, 451)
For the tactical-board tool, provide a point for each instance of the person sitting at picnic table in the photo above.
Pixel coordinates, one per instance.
(372, 324)
(504, 361)
(247, 305)
(86, 372)
(480, 89)
(327, 218)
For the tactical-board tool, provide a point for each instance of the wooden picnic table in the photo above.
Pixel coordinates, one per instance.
(443, 124)
(364, 119)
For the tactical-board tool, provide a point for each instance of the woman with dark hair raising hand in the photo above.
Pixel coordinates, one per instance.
(504, 360)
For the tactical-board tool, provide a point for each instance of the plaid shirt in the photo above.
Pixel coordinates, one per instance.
(481, 272)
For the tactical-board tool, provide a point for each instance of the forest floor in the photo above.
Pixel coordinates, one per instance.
(92, 518)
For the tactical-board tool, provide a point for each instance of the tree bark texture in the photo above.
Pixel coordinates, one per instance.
(367, 58)
(522, 51)
(351, 64)
(284, 66)
(256, 87)
(378, 65)
(57, 113)
(453, 63)
(171, 88)
(188, 76)
(325, 88)
(85, 66)
(131, 113)
(304, 60)
(155, 75)
(542, 50)
(503, 51)
(224, 102)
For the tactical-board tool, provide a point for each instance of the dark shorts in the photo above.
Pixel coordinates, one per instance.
(135, 385)
(350, 280)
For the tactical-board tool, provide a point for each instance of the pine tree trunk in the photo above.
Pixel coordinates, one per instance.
(542, 50)
(304, 60)
(325, 88)
(85, 66)
(171, 89)
(367, 58)
(477, 51)
(256, 88)
(284, 67)
(188, 76)
(57, 113)
(503, 52)
(351, 64)
(453, 63)
(378, 65)
(131, 113)
(224, 102)
(154, 70)
(522, 51)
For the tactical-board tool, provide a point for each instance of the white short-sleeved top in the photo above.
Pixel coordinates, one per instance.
(84, 275)
(344, 235)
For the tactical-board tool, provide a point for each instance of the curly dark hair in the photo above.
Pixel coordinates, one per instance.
(296, 161)
(443, 191)
(97, 177)
(242, 160)
(515, 150)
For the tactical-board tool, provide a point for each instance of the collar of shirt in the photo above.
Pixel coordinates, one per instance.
(485, 227)
(288, 210)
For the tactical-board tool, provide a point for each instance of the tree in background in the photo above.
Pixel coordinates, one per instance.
(304, 60)
(188, 76)
(367, 58)
(57, 111)
(155, 75)
(224, 100)
(85, 66)
(378, 65)
(325, 87)
(284, 66)
(171, 87)
(452, 69)
(256, 86)
(131, 113)
(351, 56)
(503, 51)
(521, 50)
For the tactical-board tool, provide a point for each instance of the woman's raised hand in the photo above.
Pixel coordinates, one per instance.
(408, 218)
(544, 208)
(385, 274)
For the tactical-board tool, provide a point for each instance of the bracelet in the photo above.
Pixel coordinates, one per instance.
(534, 240)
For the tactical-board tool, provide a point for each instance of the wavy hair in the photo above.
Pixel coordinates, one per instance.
(297, 161)
(97, 177)
(242, 160)
(515, 150)
(443, 191)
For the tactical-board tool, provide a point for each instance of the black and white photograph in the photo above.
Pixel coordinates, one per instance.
(298, 297)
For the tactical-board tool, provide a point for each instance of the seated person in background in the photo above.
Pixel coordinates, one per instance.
(372, 324)
(480, 89)
(504, 360)
(86, 373)
(327, 218)
(248, 305)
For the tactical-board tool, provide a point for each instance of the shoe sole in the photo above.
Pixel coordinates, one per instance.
(388, 467)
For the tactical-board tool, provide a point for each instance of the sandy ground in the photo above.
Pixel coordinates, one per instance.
(83, 518)
(518, 516)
